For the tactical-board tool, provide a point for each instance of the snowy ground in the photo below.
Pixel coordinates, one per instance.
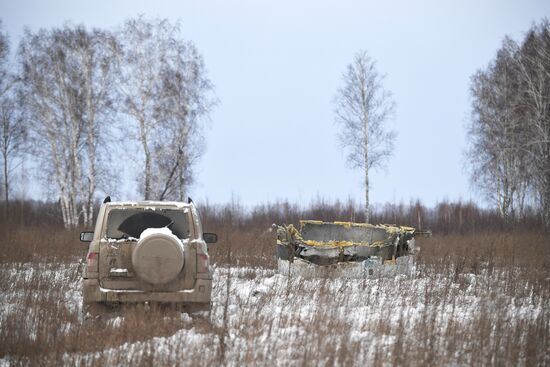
(439, 316)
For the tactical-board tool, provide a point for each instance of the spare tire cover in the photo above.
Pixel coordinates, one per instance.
(158, 256)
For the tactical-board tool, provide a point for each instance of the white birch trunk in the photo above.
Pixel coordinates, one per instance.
(147, 153)
(91, 148)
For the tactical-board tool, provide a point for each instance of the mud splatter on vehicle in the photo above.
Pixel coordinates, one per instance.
(357, 250)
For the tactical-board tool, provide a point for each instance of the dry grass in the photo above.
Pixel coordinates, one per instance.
(477, 299)
(38, 244)
(41, 318)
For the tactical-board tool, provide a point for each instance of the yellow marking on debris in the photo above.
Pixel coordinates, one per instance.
(340, 244)
(390, 228)
(329, 243)
(294, 233)
(309, 221)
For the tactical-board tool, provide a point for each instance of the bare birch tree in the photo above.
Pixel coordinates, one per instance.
(144, 46)
(362, 108)
(186, 99)
(167, 94)
(533, 60)
(497, 154)
(66, 79)
(96, 53)
(12, 140)
(534, 64)
(510, 129)
(12, 132)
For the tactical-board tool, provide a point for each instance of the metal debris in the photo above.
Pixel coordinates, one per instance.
(356, 250)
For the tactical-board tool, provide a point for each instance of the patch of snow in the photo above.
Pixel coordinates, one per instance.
(260, 313)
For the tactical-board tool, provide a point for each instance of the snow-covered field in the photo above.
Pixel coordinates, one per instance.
(440, 316)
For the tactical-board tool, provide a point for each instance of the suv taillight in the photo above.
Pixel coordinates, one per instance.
(202, 263)
(92, 262)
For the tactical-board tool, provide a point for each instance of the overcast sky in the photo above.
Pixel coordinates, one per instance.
(276, 66)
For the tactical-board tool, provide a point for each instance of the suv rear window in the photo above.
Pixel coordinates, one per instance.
(125, 223)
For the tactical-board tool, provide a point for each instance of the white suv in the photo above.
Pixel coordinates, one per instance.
(147, 252)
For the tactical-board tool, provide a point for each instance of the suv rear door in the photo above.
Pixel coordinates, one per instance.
(117, 244)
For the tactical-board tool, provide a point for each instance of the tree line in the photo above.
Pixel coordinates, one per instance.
(442, 218)
(509, 131)
(76, 97)
(76, 91)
